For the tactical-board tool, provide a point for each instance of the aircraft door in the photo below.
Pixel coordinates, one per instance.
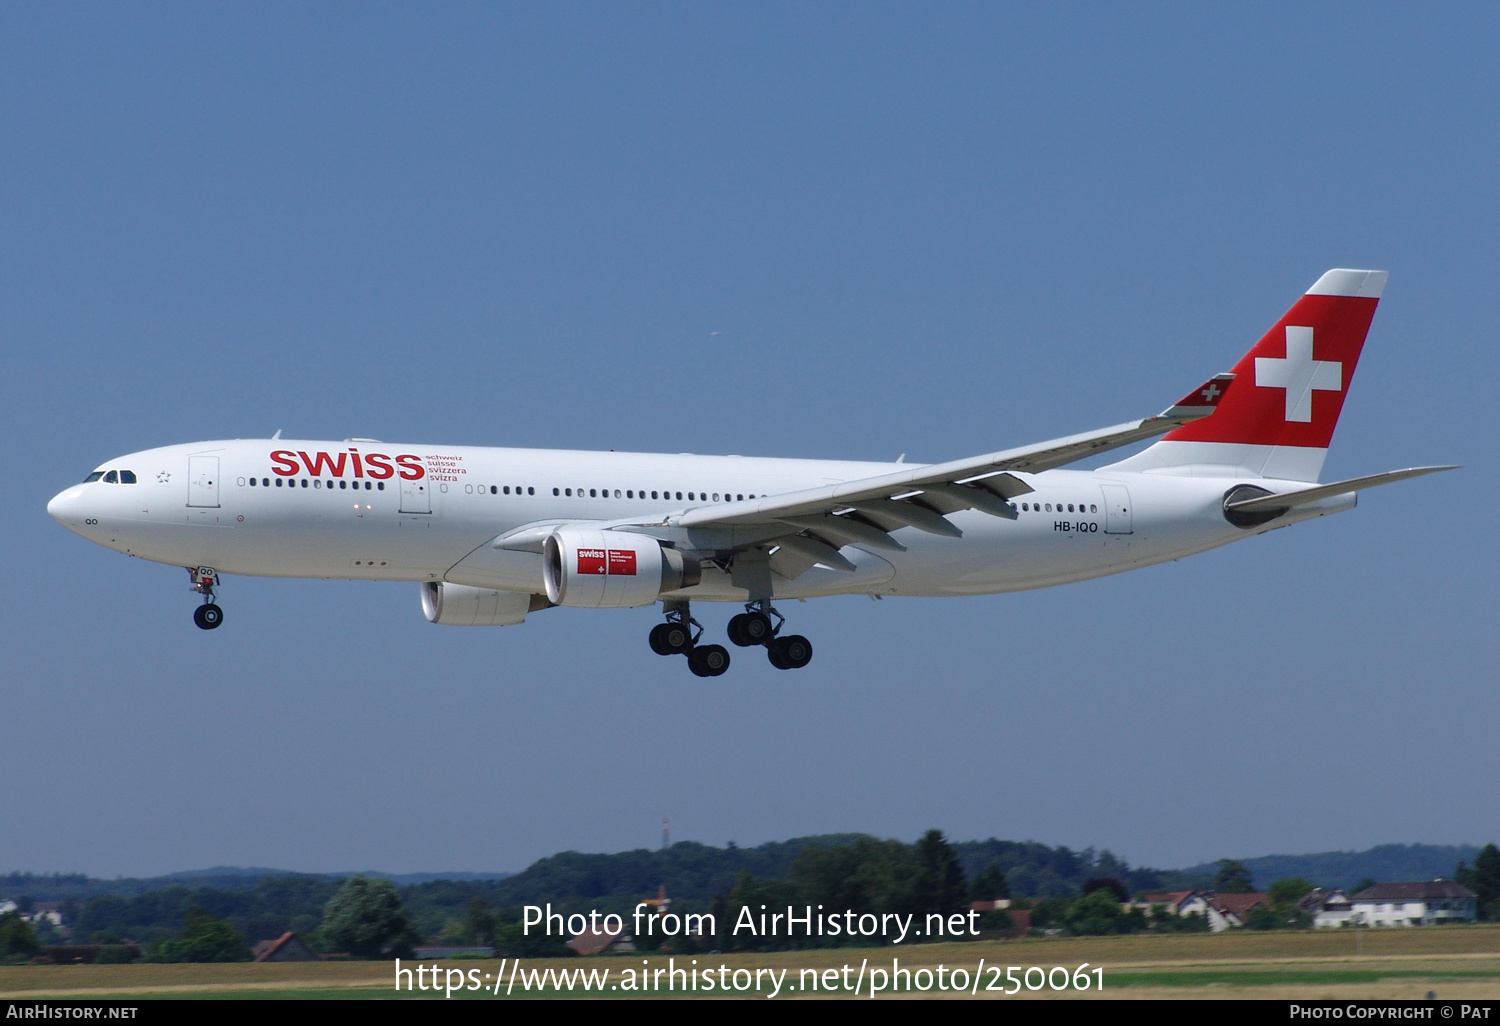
(203, 481)
(415, 496)
(1117, 516)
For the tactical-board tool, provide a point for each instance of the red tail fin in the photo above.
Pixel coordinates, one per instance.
(1288, 391)
(1290, 388)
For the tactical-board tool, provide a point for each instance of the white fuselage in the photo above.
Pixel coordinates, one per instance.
(364, 515)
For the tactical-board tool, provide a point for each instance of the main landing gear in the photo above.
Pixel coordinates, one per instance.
(208, 615)
(754, 627)
(679, 636)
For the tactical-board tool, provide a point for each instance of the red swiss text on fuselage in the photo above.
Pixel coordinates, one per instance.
(352, 463)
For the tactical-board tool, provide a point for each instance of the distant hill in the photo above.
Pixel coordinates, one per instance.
(692, 872)
(1386, 862)
(63, 886)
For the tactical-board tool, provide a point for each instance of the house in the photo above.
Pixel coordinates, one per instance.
(1414, 904)
(46, 911)
(1230, 910)
(1326, 907)
(599, 940)
(286, 948)
(1178, 903)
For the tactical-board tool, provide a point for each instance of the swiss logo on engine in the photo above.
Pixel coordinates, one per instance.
(601, 562)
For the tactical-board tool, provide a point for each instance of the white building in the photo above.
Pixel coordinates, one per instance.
(1407, 904)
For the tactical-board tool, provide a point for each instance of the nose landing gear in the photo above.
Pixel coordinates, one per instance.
(679, 636)
(208, 615)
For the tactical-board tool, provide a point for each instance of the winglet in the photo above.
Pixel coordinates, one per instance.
(1201, 401)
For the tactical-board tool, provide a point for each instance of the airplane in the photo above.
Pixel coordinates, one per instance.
(494, 534)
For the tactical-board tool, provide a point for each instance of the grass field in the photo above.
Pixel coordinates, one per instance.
(1456, 962)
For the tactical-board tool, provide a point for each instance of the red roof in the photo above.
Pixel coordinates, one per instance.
(1236, 904)
(1168, 898)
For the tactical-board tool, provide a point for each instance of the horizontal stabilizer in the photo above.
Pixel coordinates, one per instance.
(1286, 500)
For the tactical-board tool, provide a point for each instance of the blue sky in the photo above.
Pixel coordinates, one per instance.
(793, 230)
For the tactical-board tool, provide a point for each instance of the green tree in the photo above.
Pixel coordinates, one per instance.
(1284, 894)
(513, 940)
(939, 884)
(203, 939)
(1232, 877)
(1363, 885)
(1099, 912)
(1484, 881)
(481, 922)
(365, 918)
(17, 939)
(989, 884)
(1162, 921)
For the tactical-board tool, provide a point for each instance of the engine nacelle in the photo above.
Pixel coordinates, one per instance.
(459, 605)
(612, 568)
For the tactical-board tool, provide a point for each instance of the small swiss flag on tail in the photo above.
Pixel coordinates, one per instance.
(1289, 389)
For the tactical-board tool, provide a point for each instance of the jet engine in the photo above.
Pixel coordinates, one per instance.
(612, 568)
(462, 606)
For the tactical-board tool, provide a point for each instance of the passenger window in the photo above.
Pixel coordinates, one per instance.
(593, 493)
(96, 475)
(127, 477)
(253, 482)
(318, 483)
(380, 486)
(653, 494)
(278, 482)
(111, 478)
(1049, 507)
(1070, 507)
(679, 495)
(531, 491)
(304, 482)
(629, 494)
(738, 498)
(617, 493)
(1093, 508)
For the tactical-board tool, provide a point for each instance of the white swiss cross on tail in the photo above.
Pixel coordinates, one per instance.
(1299, 373)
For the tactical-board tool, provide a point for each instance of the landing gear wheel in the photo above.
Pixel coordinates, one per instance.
(708, 660)
(208, 616)
(790, 653)
(757, 629)
(749, 629)
(736, 630)
(676, 638)
(658, 639)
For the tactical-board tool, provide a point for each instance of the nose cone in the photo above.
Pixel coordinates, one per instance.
(64, 507)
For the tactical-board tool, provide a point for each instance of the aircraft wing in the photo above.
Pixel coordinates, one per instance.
(808, 527)
(919, 497)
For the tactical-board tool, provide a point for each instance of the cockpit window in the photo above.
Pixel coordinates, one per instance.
(127, 477)
(111, 478)
(96, 475)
